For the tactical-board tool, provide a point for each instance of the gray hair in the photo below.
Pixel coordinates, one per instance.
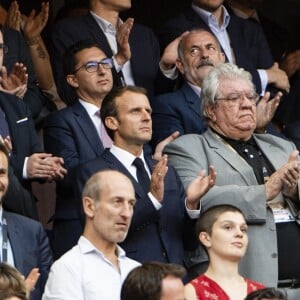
(181, 44)
(211, 83)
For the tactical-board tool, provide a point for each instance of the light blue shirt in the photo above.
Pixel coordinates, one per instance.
(221, 34)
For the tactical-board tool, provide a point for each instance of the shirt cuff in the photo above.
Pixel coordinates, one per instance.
(193, 213)
(169, 73)
(155, 202)
(263, 80)
(25, 175)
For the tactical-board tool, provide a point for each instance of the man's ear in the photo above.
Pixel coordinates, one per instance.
(211, 112)
(112, 123)
(72, 80)
(205, 240)
(89, 206)
(179, 66)
(223, 58)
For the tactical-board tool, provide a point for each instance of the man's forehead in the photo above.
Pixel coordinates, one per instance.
(90, 54)
(202, 37)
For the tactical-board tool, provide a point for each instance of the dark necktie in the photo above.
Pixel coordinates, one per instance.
(4, 131)
(142, 175)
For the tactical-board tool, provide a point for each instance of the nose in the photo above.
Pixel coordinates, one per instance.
(146, 115)
(101, 69)
(127, 211)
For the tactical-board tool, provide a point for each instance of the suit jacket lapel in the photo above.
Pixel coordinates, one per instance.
(229, 154)
(98, 34)
(15, 240)
(85, 123)
(192, 99)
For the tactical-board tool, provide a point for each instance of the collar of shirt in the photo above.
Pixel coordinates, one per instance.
(92, 111)
(210, 20)
(127, 159)
(195, 88)
(86, 247)
(106, 26)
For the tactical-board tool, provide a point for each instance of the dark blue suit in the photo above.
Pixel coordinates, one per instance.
(247, 40)
(180, 110)
(30, 248)
(160, 235)
(144, 60)
(25, 142)
(70, 134)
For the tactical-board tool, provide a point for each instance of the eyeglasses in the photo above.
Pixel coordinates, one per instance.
(239, 97)
(4, 48)
(93, 66)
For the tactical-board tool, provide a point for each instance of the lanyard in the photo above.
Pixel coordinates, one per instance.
(4, 240)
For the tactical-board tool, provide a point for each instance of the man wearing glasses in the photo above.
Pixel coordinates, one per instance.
(77, 133)
(259, 173)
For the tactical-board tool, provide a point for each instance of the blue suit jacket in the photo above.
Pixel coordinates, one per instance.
(70, 134)
(144, 60)
(180, 110)
(160, 235)
(30, 248)
(248, 42)
(25, 142)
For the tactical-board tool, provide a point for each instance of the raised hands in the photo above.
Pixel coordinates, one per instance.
(122, 38)
(35, 23)
(199, 187)
(157, 186)
(13, 17)
(16, 82)
(266, 109)
(285, 179)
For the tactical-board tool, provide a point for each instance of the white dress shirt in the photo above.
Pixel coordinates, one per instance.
(85, 273)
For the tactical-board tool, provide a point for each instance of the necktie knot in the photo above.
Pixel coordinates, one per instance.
(141, 174)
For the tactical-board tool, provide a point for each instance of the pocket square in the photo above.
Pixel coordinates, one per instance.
(22, 120)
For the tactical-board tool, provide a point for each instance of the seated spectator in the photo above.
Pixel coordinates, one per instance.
(258, 173)
(154, 281)
(222, 230)
(198, 52)
(96, 267)
(161, 199)
(265, 294)
(27, 243)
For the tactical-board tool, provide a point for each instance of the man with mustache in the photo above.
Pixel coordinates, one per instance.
(198, 52)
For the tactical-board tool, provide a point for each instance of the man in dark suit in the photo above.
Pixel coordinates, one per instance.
(242, 42)
(198, 52)
(75, 134)
(162, 225)
(102, 24)
(27, 160)
(27, 242)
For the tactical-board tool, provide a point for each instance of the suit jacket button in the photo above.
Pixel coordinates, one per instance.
(274, 255)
